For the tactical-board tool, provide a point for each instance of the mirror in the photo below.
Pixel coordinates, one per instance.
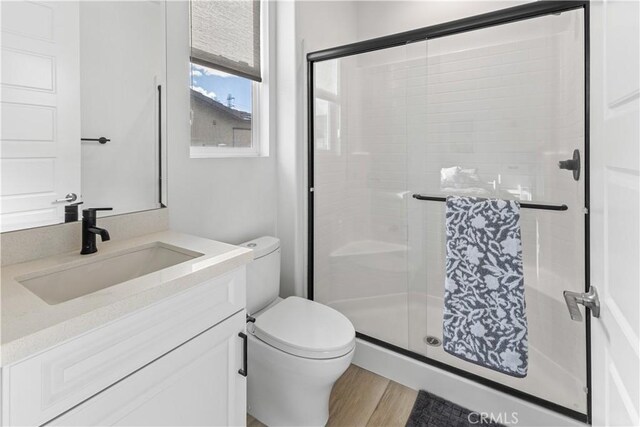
(83, 85)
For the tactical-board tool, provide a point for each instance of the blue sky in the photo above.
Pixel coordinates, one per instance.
(217, 85)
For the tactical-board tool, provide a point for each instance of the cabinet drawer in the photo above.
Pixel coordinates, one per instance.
(195, 384)
(44, 386)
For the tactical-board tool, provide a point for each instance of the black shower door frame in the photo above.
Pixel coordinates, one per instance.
(491, 19)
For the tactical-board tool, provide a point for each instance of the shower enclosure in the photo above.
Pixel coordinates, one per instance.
(485, 107)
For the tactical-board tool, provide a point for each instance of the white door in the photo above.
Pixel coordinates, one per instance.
(615, 210)
(196, 384)
(40, 135)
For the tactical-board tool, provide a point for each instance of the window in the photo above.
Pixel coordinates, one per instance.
(221, 108)
(226, 78)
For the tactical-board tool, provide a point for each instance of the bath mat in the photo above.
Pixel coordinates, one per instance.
(484, 319)
(433, 411)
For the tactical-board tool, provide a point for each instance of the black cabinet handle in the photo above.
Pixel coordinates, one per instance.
(160, 145)
(244, 369)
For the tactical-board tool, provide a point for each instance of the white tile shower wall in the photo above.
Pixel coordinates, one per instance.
(476, 116)
(510, 109)
(360, 193)
(350, 21)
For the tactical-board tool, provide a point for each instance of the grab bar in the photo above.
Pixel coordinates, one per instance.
(524, 205)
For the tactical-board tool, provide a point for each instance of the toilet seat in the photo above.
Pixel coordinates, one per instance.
(305, 328)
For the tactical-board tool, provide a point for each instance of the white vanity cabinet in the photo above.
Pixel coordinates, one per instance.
(196, 384)
(175, 362)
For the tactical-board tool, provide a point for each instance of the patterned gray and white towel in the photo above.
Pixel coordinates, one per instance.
(484, 306)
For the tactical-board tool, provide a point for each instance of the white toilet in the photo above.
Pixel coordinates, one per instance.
(297, 348)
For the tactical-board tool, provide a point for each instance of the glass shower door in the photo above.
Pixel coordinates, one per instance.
(360, 191)
(486, 113)
(499, 109)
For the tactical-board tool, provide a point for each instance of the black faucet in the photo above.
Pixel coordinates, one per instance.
(89, 230)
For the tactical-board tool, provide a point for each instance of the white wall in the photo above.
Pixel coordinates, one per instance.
(302, 27)
(380, 18)
(236, 199)
(227, 199)
(289, 156)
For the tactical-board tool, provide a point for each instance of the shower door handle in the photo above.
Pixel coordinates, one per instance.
(572, 164)
(589, 299)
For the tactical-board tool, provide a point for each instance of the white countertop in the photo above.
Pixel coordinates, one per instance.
(30, 325)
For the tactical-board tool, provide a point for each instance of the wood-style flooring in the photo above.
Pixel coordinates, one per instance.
(361, 398)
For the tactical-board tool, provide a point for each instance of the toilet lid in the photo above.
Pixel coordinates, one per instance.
(307, 329)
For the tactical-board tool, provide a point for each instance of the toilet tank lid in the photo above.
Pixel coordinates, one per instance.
(262, 246)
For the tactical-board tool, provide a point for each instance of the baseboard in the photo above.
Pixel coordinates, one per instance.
(469, 394)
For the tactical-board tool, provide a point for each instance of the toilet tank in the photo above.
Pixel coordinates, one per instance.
(263, 274)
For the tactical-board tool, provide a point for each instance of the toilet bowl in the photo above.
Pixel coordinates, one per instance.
(297, 348)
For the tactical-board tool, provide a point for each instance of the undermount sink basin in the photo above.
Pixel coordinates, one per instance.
(72, 281)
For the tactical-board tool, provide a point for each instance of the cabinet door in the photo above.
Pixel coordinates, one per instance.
(194, 384)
